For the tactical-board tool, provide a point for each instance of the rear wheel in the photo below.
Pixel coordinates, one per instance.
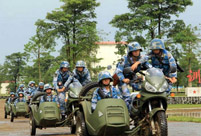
(160, 122)
(12, 117)
(81, 129)
(32, 125)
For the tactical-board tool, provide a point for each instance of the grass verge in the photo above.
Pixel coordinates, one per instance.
(177, 106)
(184, 119)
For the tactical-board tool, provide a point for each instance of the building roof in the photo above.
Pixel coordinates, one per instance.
(7, 81)
(110, 42)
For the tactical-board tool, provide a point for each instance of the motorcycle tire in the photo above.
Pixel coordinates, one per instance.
(5, 115)
(12, 117)
(32, 125)
(160, 122)
(81, 129)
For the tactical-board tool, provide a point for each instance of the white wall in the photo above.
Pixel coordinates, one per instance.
(3, 88)
(107, 52)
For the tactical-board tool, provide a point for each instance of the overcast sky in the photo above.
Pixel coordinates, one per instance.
(17, 18)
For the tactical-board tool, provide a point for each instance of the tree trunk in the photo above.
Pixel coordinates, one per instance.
(39, 71)
(159, 23)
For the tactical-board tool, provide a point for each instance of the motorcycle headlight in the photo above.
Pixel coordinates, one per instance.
(149, 87)
(72, 95)
(164, 87)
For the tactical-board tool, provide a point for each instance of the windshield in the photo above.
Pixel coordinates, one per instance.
(155, 76)
(75, 87)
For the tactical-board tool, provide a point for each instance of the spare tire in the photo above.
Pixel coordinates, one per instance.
(88, 87)
(37, 95)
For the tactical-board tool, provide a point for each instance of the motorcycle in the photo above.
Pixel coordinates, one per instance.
(47, 114)
(148, 107)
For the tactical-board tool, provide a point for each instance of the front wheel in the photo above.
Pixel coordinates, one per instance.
(160, 122)
(32, 125)
(73, 129)
(81, 129)
(12, 117)
(5, 115)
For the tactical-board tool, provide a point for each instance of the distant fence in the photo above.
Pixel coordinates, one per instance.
(171, 100)
(4, 97)
(184, 100)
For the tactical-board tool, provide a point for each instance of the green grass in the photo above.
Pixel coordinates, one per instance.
(184, 119)
(177, 106)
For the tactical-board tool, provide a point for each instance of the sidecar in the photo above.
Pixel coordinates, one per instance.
(20, 109)
(110, 118)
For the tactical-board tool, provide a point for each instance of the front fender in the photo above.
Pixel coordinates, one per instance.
(154, 111)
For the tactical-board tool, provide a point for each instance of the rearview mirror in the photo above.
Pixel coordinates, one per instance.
(109, 67)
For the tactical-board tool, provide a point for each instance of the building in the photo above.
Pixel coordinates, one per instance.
(3, 87)
(106, 51)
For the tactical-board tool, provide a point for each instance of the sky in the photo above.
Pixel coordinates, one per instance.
(17, 18)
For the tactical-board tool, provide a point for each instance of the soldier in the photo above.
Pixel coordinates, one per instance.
(64, 76)
(163, 59)
(134, 60)
(105, 90)
(49, 97)
(39, 89)
(12, 96)
(82, 73)
(31, 89)
(20, 98)
(21, 88)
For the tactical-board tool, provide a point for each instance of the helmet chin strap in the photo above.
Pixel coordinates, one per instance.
(106, 85)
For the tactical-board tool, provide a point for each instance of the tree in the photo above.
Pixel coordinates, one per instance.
(48, 67)
(189, 41)
(41, 43)
(73, 23)
(15, 65)
(147, 19)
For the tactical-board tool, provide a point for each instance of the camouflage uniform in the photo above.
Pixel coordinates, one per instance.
(83, 76)
(96, 96)
(10, 98)
(21, 88)
(127, 61)
(65, 78)
(48, 98)
(163, 62)
(20, 99)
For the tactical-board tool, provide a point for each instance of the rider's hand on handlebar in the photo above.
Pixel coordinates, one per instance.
(135, 65)
(172, 80)
(61, 90)
(126, 80)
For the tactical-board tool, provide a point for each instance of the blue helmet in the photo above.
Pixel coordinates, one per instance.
(47, 86)
(104, 75)
(157, 44)
(20, 93)
(133, 47)
(80, 63)
(64, 64)
(21, 85)
(31, 82)
(41, 84)
(12, 93)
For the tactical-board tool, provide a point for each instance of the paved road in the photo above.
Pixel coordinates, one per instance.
(20, 127)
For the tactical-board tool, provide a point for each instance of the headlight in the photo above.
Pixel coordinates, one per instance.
(73, 95)
(164, 87)
(150, 88)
